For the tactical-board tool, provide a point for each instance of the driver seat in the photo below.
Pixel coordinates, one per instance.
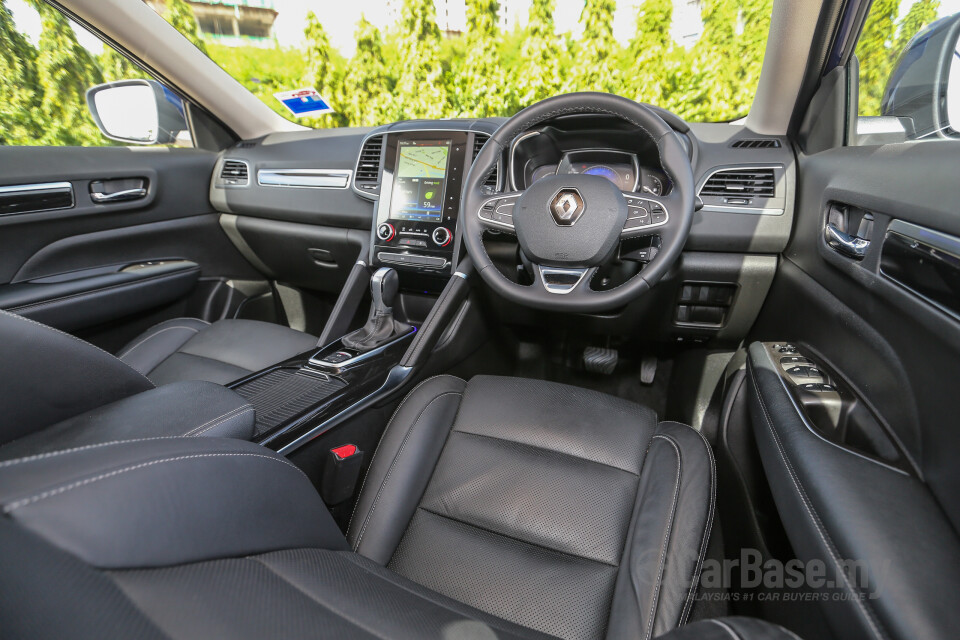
(560, 509)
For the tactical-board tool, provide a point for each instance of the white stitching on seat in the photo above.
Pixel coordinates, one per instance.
(50, 454)
(726, 627)
(80, 483)
(375, 451)
(127, 352)
(688, 606)
(821, 532)
(220, 417)
(666, 534)
(83, 342)
(396, 457)
(225, 419)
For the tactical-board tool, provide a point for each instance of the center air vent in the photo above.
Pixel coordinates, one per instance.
(367, 176)
(234, 173)
(740, 183)
(756, 143)
(493, 180)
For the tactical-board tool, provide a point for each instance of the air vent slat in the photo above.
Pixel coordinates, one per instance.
(367, 176)
(741, 182)
(234, 172)
(493, 181)
(756, 143)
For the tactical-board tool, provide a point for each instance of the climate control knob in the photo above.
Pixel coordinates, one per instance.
(442, 236)
(386, 231)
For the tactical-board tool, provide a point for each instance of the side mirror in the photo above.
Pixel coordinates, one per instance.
(137, 111)
(924, 88)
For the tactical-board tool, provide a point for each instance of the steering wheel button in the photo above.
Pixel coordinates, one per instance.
(659, 217)
(637, 212)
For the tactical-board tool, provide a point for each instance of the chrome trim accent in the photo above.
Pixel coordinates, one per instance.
(844, 243)
(497, 223)
(118, 196)
(305, 178)
(513, 148)
(219, 183)
(558, 213)
(716, 208)
(460, 274)
(561, 290)
(52, 187)
(366, 355)
(643, 229)
(362, 263)
(936, 239)
(45, 186)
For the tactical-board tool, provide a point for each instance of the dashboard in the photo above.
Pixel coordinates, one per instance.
(305, 206)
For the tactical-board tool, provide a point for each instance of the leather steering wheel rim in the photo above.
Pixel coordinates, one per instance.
(673, 234)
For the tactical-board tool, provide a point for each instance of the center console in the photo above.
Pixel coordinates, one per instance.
(416, 223)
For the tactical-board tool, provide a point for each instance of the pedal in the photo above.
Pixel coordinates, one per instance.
(600, 360)
(648, 370)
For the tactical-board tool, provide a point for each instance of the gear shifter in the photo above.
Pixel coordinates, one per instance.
(381, 327)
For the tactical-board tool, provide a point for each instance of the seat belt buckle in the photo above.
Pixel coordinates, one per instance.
(340, 473)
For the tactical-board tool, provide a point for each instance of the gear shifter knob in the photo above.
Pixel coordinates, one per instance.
(383, 288)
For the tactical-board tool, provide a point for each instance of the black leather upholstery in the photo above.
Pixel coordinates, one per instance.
(840, 507)
(178, 409)
(48, 376)
(191, 349)
(154, 539)
(560, 509)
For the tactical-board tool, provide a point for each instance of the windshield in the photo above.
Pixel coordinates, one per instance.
(377, 61)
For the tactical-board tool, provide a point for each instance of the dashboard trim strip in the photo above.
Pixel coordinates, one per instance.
(305, 178)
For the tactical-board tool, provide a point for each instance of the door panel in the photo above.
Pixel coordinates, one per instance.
(128, 260)
(888, 501)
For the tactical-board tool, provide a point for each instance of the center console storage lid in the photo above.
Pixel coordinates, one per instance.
(167, 501)
(192, 408)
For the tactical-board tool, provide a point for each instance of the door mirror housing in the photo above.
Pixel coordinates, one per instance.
(137, 111)
(924, 89)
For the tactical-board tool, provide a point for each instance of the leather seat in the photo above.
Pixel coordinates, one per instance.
(221, 352)
(559, 509)
(547, 509)
(57, 390)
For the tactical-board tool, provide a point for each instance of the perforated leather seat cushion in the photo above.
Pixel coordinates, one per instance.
(536, 501)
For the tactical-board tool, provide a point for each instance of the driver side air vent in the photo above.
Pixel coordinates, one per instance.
(367, 176)
(493, 181)
(756, 143)
(742, 183)
(234, 173)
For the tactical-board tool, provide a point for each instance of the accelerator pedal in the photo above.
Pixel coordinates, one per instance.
(648, 370)
(600, 360)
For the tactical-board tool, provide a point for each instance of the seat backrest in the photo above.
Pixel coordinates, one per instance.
(47, 376)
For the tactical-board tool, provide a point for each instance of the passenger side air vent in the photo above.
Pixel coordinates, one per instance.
(756, 143)
(742, 184)
(234, 173)
(493, 181)
(366, 179)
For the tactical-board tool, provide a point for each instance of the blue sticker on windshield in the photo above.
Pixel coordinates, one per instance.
(303, 102)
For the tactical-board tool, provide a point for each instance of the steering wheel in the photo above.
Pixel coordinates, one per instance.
(570, 225)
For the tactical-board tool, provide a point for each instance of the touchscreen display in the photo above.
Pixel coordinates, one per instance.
(420, 180)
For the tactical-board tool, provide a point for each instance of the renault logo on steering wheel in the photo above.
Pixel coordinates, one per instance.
(567, 207)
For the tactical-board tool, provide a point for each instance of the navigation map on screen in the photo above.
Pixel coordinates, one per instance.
(420, 180)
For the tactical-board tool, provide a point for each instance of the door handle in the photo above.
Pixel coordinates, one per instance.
(844, 243)
(118, 196)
